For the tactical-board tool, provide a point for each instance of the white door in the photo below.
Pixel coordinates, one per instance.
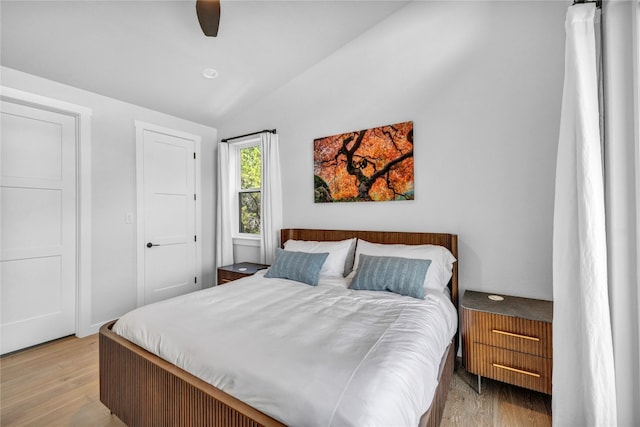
(38, 226)
(169, 216)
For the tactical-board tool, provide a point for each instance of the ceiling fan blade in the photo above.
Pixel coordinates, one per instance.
(208, 12)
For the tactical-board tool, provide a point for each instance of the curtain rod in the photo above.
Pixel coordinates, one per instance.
(597, 2)
(248, 134)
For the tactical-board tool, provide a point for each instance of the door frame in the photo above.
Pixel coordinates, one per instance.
(140, 239)
(82, 116)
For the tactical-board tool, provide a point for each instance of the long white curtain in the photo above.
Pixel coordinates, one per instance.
(622, 196)
(584, 391)
(224, 220)
(271, 202)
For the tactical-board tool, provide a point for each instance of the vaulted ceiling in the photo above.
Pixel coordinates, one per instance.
(153, 53)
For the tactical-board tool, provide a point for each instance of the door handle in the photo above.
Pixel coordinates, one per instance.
(151, 244)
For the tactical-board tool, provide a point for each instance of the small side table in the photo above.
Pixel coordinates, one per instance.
(229, 273)
(508, 339)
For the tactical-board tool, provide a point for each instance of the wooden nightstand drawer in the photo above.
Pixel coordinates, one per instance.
(524, 370)
(524, 335)
(229, 276)
(229, 273)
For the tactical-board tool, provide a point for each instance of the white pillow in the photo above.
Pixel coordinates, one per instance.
(439, 272)
(335, 264)
(334, 282)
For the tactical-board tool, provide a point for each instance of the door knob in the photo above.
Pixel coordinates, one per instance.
(151, 244)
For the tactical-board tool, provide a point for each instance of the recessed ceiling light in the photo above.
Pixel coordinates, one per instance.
(210, 73)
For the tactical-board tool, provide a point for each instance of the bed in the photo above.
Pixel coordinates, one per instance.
(144, 389)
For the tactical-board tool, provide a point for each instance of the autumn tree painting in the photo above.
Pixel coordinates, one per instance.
(368, 165)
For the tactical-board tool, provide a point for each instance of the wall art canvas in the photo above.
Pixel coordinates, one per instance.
(367, 165)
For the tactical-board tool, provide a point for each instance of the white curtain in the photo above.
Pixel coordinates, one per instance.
(271, 202)
(621, 47)
(224, 221)
(584, 390)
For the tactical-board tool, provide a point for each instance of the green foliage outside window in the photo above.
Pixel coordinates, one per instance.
(250, 185)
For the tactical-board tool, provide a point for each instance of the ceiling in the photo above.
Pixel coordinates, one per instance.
(152, 53)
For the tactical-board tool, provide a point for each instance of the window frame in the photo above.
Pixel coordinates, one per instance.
(235, 149)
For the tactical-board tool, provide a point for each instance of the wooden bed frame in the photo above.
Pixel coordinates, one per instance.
(145, 390)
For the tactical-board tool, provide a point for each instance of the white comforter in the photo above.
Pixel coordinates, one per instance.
(307, 356)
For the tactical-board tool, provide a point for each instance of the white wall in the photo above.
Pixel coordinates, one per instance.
(113, 288)
(482, 82)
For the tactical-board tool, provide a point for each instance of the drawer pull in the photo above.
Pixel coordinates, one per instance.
(533, 374)
(526, 337)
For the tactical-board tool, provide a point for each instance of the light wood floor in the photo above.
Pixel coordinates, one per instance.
(499, 404)
(56, 384)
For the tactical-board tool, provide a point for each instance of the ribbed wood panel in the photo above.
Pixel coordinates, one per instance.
(517, 345)
(406, 238)
(528, 336)
(513, 367)
(468, 355)
(144, 390)
(433, 416)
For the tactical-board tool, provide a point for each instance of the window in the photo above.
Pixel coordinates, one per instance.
(249, 186)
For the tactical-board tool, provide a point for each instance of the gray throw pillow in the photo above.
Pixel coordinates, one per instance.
(404, 276)
(300, 266)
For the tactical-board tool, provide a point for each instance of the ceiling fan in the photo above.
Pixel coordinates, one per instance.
(208, 12)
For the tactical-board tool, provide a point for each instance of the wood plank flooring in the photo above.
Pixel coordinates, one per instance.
(56, 384)
(499, 404)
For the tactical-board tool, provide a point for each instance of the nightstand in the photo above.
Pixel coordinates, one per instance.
(229, 273)
(508, 340)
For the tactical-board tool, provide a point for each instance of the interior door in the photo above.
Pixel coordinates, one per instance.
(38, 226)
(169, 216)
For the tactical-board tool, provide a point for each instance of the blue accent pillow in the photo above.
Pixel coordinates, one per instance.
(404, 276)
(300, 266)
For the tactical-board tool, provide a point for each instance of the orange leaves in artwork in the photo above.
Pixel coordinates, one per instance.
(368, 165)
